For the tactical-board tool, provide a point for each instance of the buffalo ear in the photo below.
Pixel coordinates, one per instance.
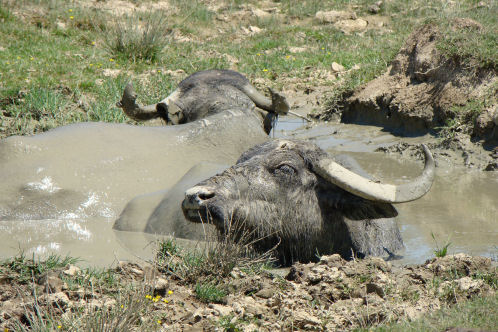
(361, 209)
(162, 111)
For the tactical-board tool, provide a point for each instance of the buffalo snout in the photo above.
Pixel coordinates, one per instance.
(194, 204)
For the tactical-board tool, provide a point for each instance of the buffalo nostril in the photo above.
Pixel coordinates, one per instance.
(205, 195)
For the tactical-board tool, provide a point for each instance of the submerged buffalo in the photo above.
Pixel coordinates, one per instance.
(203, 94)
(293, 195)
(76, 173)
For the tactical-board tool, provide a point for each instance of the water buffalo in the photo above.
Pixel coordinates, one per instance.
(203, 94)
(293, 195)
(86, 171)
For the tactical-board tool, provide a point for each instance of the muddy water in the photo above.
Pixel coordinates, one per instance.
(462, 207)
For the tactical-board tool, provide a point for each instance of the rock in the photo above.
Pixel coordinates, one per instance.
(303, 319)
(251, 30)
(295, 49)
(333, 16)
(350, 26)
(337, 67)
(333, 260)
(259, 13)
(72, 270)
(60, 300)
(374, 288)
(265, 293)
(161, 286)
(375, 8)
(221, 310)
(51, 282)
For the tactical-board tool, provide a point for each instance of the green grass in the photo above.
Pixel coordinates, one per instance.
(26, 269)
(478, 313)
(56, 44)
(209, 293)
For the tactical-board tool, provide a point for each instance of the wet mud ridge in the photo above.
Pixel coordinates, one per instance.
(423, 91)
(331, 295)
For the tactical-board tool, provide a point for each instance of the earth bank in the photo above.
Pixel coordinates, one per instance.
(424, 91)
(332, 294)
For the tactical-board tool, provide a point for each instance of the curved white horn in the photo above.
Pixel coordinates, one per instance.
(368, 189)
(132, 109)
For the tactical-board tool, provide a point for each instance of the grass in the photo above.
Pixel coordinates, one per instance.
(478, 313)
(25, 270)
(54, 45)
(209, 293)
(440, 251)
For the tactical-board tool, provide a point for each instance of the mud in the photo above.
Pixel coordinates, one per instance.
(330, 295)
(418, 94)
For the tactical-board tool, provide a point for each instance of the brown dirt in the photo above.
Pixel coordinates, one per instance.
(332, 294)
(418, 94)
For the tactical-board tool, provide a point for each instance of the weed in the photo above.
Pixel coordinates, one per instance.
(440, 251)
(136, 38)
(26, 269)
(209, 293)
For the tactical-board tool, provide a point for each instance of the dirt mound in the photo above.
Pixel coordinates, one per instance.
(331, 295)
(422, 88)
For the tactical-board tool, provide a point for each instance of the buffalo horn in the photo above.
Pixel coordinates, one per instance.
(132, 109)
(368, 189)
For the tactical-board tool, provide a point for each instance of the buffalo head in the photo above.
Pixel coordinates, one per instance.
(293, 196)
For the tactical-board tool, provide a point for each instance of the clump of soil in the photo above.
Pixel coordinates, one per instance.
(424, 91)
(332, 294)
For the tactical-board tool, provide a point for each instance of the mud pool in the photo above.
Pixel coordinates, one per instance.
(462, 206)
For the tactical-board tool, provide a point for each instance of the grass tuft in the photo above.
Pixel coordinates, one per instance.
(137, 38)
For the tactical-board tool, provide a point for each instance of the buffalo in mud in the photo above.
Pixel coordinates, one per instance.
(293, 196)
(203, 94)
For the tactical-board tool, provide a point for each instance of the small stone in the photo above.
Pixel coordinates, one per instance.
(72, 270)
(350, 26)
(333, 16)
(259, 13)
(296, 49)
(51, 282)
(265, 293)
(161, 286)
(374, 288)
(337, 67)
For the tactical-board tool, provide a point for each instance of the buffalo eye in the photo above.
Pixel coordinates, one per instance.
(284, 169)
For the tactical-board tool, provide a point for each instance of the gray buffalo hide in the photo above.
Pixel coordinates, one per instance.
(160, 212)
(94, 169)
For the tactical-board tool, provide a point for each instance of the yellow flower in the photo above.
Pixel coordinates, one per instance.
(148, 296)
(323, 48)
(122, 306)
(265, 69)
(70, 10)
(165, 301)
(259, 54)
(170, 292)
(31, 58)
(159, 321)
(91, 65)
(59, 326)
(111, 59)
(287, 56)
(71, 17)
(93, 43)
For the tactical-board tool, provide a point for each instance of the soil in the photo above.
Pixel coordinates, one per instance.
(332, 294)
(418, 94)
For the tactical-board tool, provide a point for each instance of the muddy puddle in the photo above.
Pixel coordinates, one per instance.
(461, 208)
